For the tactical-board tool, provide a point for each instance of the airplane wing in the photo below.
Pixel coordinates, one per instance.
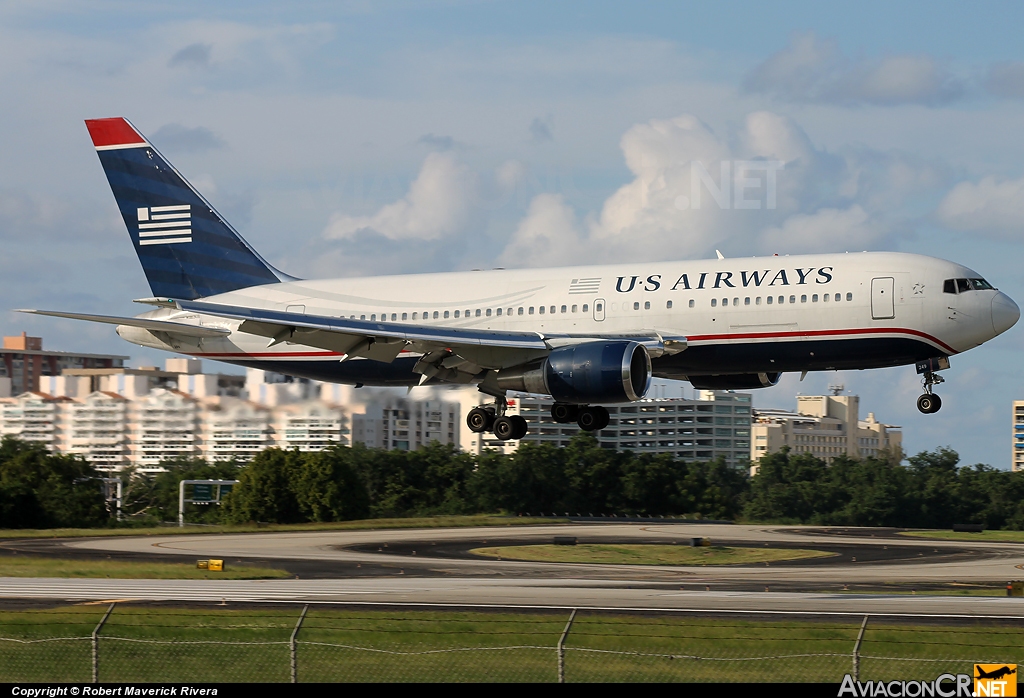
(156, 325)
(454, 354)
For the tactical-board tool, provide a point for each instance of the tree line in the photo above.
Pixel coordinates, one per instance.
(929, 490)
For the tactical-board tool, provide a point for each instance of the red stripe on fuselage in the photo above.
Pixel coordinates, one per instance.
(269, 354)
(819, 333)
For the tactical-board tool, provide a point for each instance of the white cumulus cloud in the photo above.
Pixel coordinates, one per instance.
(811, 69)
(990, 207)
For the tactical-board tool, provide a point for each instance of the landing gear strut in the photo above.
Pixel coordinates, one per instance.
(493, 419)
(929, 403)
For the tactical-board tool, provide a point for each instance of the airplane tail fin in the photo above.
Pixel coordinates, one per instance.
(186, 248)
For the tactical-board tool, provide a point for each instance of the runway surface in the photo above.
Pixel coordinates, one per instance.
(434, 566)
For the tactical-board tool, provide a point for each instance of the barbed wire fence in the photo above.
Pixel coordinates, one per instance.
(154, 642)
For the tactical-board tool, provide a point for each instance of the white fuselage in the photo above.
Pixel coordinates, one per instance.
(809, 312)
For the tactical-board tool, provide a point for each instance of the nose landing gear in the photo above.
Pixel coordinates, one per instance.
(929, 403)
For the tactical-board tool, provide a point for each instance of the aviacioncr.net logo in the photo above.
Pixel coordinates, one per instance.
(945, 686)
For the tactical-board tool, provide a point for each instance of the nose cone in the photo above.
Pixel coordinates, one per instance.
(1005, 313)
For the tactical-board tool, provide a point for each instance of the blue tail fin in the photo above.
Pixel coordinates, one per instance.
(187, 249)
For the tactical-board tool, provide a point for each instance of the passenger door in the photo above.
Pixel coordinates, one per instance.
(883, 302)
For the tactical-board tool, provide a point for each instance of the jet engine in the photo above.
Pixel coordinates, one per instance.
(734, 381)
(588, 373)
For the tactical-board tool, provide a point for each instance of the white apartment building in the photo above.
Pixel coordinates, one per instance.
(1017, 457)
(162, 425)
(825, 426)
(32, 416)
(95, 428)
(406, 425)
(232, 428)
(716, 425)
(310, 426)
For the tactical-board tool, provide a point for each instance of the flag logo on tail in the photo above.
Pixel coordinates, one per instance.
(165, 225)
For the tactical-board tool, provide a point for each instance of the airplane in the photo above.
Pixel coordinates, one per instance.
(586, 336)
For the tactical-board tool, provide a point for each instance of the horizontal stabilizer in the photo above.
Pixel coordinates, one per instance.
(146, 324)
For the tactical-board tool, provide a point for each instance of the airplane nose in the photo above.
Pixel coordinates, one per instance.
(1005, 313)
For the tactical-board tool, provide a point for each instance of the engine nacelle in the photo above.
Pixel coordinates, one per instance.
(589, 373)
(735, 381)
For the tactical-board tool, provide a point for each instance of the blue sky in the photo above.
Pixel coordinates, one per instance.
(360, 138)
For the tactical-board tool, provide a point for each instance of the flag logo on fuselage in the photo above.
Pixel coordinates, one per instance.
(165, 225)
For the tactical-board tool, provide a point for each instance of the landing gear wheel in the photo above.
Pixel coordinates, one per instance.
(505, 428)
(593, 418)
(562, 413)
(521, 427)
(480, 420)
(929, 403)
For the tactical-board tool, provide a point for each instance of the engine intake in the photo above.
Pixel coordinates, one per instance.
(735, 381)
(592, 372)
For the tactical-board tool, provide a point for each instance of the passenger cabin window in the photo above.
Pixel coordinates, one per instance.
(456, 314)
(446, 315)
(553, 310)
(691, 304)
(405, 316)
(849, 296)
(489, 312)
(769, 299)
(435, 314)
(714, 302)
(636, 306)
(564, 309)
(586, 307)
(574, 309)
(499, 312)
(668, 305)
(541, 310)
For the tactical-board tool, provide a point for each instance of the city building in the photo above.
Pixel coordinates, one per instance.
(1017, 460)
(715, 425)
(23, 362)
(824, 426)
(404, 424)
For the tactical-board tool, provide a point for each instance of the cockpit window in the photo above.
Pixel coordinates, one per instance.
(949, 286)
(963, 285)
(981, 285)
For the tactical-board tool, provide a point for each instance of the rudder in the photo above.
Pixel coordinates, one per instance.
(186, 248)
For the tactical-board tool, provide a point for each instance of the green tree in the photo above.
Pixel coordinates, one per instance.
(45, 490)
(266, 489)
(328, 488)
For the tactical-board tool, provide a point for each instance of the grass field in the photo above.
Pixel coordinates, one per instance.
(214, 643)
(646, 554)
(364, 524)
(995, 536)
(29, 566)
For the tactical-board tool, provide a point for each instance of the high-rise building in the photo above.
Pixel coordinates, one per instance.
(716, 425)
(825, 426)
(1017, 459)
(23, 362)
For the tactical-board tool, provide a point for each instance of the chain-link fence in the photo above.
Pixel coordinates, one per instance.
(139, 642)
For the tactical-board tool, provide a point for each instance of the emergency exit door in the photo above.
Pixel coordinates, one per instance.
(883, 305)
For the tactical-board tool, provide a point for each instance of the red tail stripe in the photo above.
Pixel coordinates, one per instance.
(115, 131)
(820, 333)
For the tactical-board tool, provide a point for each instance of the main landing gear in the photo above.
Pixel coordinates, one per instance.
(493, 419)
(588, 417)
(929, 403)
